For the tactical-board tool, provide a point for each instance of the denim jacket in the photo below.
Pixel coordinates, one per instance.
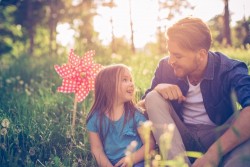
(222, 76)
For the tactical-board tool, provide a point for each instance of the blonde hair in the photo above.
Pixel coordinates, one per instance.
(190, 33)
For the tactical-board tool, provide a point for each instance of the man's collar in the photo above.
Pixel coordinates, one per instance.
(209, 71)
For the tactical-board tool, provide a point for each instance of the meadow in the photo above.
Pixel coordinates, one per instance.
(36, 119)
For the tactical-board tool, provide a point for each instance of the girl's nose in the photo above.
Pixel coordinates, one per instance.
(131, 83)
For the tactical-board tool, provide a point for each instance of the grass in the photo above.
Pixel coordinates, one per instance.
(38, 132)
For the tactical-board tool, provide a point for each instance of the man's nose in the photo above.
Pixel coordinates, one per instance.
(171, 60)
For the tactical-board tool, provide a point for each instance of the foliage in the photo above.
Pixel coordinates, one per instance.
(39, 117)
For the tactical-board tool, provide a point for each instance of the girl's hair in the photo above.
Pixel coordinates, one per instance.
(190, 33)
(106, 87)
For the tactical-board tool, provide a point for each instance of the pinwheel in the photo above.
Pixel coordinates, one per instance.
(78, 77)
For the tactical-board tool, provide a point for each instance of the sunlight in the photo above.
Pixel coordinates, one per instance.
(65, 35)
(144, 15)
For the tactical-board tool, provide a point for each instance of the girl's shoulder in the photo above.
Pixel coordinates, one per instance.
(139, 116)
(93, 115)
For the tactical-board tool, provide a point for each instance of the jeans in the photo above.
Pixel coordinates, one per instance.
(190, 137)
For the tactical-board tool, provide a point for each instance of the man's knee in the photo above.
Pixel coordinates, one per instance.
(154, 98)
(239, 157)
(155, 102)
(151, 96)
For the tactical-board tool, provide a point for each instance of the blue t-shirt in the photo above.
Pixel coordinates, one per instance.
(118, 137)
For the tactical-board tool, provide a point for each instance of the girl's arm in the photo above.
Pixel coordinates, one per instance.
(97, 150)
(138, 155)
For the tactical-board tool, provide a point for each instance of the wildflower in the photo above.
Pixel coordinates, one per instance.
(21, 82)
(3, 146)
(8, 81)
(68, 135)
(4, 131)
(131, 147)
(18, 77)
(5, 123)
(32, 151)
(81, 144)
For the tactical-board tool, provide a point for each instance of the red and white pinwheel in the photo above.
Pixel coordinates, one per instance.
(78, 75)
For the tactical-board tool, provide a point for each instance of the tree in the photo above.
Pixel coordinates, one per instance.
(227, 30)
(167, 11)
(111, 5)
(131, 27)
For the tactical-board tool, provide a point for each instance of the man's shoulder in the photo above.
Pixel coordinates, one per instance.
(224, 61)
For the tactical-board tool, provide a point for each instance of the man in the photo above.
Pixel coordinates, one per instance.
(193, 89)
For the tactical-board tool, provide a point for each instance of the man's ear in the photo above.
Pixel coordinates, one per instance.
(202, 54)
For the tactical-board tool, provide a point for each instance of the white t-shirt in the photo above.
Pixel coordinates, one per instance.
(194, 111)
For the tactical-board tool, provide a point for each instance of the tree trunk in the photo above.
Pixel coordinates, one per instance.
(31, 27)
(131, 28)
(227, 31)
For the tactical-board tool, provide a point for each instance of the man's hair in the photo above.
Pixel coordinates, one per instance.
(190, 33)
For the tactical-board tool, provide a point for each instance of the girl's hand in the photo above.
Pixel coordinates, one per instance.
(121, 163)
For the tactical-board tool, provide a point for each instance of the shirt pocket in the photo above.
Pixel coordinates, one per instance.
(220, 111)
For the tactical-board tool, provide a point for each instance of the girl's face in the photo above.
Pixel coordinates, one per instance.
(125, 87)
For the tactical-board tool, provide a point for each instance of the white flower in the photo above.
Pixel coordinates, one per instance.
(4, 131)
(32, 151)
(5, 123)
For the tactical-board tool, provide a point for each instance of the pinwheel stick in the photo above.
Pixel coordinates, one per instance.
(74, 117)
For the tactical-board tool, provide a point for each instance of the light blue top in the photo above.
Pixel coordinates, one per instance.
(117, 138)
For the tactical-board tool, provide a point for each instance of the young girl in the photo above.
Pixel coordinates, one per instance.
(113, 121)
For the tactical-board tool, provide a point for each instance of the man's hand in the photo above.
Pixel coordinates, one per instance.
(170, 92)
(141, 105)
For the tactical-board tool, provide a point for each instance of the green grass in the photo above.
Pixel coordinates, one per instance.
(40, 117)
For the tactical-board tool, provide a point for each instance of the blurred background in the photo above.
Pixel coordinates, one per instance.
(35, 35)
(132, 24)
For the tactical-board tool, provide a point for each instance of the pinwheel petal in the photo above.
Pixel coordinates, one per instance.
(74, 59)
(87, 59)
(82, 92)
(93, 70)
(91, 83)
(65, 71)
(68, 86)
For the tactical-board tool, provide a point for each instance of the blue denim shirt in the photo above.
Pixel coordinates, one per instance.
(222, 76)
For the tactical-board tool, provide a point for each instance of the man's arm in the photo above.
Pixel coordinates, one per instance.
(234, 136)
(97, 150)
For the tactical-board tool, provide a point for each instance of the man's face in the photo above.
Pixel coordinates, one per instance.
(184, 62)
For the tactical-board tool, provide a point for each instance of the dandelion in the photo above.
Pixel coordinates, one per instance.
(68, 135)
(3, 146)
(8, 81)
(32, 151)
(4, 131)
(5, 123)
(18, 77)
(21, 82)
(81, 144)
(131, 147)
